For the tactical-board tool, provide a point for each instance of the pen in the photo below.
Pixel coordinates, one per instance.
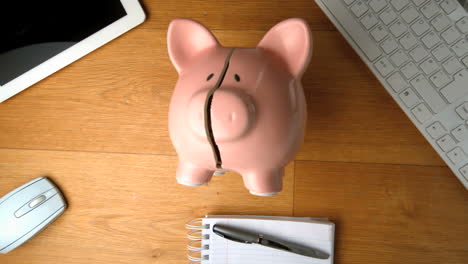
(242, 236)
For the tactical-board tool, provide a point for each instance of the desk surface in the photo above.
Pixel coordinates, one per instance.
(98, 128)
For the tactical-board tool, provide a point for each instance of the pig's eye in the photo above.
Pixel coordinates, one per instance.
(209, 77)
(237, 77)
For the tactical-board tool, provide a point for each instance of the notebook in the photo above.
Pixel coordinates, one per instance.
(205, 247)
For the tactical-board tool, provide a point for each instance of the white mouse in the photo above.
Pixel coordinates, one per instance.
(27, 210)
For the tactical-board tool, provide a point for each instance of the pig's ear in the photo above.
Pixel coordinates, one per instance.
(185, 39)
(291, 42)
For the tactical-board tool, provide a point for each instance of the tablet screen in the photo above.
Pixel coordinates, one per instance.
(31, 32)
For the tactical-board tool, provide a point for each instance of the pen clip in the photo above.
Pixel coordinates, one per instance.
(272, 244)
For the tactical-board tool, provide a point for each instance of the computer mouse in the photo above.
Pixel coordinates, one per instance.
(27, 210)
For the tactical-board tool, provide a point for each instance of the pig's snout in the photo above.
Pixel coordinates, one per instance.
(232, 114)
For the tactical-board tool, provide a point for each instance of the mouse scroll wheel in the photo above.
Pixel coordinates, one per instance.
(36, 201)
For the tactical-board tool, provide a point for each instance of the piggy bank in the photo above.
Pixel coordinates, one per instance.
(238, 109)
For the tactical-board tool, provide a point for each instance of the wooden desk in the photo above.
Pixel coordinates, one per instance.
(98, 128)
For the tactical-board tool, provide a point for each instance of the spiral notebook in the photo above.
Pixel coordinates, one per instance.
(205, 247)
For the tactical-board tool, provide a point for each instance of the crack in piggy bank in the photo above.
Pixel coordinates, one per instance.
(207, 111)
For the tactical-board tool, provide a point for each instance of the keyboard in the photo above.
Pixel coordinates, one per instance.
(418, 49)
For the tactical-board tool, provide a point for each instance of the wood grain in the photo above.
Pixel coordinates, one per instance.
(387, 213)
(125, 208)
(234, 14)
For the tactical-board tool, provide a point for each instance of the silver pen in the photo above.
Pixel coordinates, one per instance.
(242, 236)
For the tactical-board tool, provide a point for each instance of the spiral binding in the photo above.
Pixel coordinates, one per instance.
(196, 237)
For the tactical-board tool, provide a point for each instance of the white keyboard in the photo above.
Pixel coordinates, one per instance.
(418, 49)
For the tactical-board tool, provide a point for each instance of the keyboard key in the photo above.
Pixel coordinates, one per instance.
(429, 66)
(460, 133)
(436, 130)
(440, 79)
(369, 20)
(384, 66)
(419, 2)
(446, 143)
(359, 8)
(409, 14)
(428, 93)
(456, 155)
(354, 29)
(430, 9)
(409, 97)
(399, 58)
(464, 171)
(461, 47)
(389, 45)
(440, 22)
(377, 5)
(408, 41)
(422, 113)
(409, 70)
(418, 53)
(399, 4)
(430, 40)
(452, 65)
(441, 52)
(379, 33)
(462, 111)
(398, 28)
(450, 35)
(465, 61)
(462, 25)
(448, 6)
(397, 82)
(456, 89)
(419, 27)
(348, 2)
(388, 16)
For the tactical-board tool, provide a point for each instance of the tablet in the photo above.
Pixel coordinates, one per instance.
(38, 38)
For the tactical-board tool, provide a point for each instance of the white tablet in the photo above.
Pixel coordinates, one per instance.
(38, 38)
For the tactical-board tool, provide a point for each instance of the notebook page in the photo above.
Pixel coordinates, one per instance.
(222, 251)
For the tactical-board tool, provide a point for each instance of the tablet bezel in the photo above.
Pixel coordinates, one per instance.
(135, 16)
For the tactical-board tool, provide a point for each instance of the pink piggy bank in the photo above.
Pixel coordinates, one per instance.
(238, 109)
